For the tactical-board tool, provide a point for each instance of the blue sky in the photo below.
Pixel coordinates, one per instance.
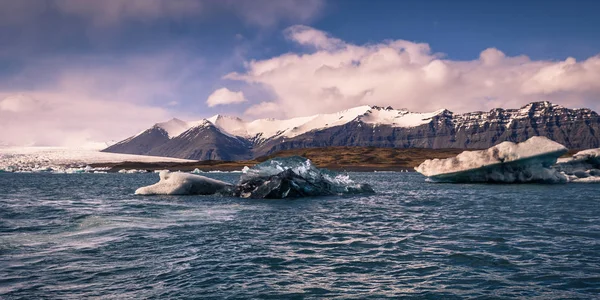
(540, 29)
(165, 58)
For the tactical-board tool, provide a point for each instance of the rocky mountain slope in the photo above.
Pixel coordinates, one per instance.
(230, 138)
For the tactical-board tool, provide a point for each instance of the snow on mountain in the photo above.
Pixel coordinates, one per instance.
(230, 125)
(327, 120)
(509, 116)
(173, 127)
(398, 118)
(231, 138)
(263, 129)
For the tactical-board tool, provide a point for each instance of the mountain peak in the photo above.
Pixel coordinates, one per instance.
(232, 138)
(173, 127)
(381, 107)
(539, 105)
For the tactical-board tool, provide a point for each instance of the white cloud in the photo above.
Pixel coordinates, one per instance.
(93, 100)
(263, 108)
(224, 96)
(305, 35)
(338, 75)
(57, 120)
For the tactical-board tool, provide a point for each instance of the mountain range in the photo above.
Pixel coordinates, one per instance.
(231, 138)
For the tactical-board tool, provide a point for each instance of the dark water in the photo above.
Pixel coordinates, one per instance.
(86, 236)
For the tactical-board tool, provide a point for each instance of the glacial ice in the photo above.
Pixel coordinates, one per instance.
(507, 162)
(66, 160)
(291, 177)
(277, 178)
(176, 183)
(583, 167)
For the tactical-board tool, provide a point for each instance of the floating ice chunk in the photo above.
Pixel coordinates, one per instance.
(583, 167)
(132, 171)
(196, 171)
(294, 177)
(74, 170)
(507, 162)
(275, 178)
(185, 184)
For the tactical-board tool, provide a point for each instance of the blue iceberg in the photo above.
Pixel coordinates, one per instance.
(293, 177)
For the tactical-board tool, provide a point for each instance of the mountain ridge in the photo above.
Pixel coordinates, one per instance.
(231, 138)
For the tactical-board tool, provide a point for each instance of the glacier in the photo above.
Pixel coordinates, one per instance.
(507, 162)
(66, 160)
(277, 178)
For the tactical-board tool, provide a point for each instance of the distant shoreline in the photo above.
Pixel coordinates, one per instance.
(350, 159)
(229, 166)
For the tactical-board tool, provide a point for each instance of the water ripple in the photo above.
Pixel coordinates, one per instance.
(74, 237)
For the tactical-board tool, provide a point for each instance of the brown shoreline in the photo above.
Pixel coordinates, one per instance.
(351, 159)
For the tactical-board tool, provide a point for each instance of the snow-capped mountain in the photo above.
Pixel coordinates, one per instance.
(230, 138)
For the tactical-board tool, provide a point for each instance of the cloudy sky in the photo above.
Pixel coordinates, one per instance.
(78, 72)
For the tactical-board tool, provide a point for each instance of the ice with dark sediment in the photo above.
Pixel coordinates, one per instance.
(278, 178)
(507, 162)
(583, 167)
(291, 177)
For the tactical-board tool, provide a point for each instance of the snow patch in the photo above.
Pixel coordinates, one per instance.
(398, 118)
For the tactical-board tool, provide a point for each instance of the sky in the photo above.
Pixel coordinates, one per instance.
(84, 72)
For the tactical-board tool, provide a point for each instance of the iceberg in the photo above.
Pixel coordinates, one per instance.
(292, 177)
(507, 162)
(278, 178)
(176, 183)
(583, 167)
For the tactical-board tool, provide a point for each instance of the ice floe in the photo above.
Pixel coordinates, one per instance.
(507, 162)
(177, 183)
